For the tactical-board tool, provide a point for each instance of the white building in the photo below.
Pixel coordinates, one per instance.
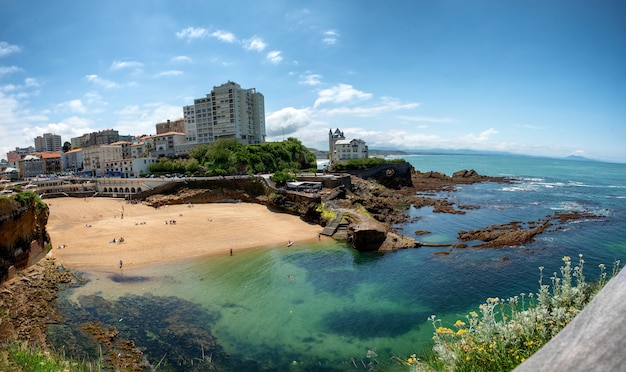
(341, 149)
(227, 112)
(167, 144)
(72, 160)
(49, 142)
(96, 158)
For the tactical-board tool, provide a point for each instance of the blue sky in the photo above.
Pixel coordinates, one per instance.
(531, 77)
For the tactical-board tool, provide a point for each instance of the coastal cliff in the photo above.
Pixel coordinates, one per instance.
(23, 236)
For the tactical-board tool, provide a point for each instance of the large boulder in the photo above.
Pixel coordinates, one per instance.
(367, 235)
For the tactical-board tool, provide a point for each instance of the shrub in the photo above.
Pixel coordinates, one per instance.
(507, 332)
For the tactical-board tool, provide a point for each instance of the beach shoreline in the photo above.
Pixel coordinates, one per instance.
(106, 234)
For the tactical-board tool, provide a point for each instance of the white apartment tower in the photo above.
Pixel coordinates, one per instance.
(227, 112)
(49, 142)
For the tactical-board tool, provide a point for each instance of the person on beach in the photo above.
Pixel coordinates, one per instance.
(121, 263)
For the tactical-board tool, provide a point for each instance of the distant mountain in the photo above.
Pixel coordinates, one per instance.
(578, 158)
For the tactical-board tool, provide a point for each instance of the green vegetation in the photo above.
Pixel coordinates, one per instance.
(18, 357)
(358, 164)
(325, 213)
(229, 157)
(28, 198)
(507, 332)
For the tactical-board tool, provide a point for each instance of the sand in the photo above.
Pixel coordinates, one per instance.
(82, 231)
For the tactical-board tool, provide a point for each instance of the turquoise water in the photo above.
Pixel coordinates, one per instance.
(324, 306)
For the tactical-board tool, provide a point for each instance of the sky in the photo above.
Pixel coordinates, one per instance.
(535, 77)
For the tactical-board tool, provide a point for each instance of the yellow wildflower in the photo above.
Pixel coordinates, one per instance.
(459, 323)
(565, 258)
(410, 360)
(461, 332)
(474, 314)
(444, 331)
(467, 358)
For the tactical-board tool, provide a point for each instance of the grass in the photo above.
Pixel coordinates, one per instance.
(20, 357)
(504, 333)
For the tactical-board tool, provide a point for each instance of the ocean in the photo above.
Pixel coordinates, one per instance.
(324, 306)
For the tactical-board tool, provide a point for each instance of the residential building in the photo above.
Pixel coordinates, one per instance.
(140, 166)
(13, 157)
(166, 144)
(95, 158)
(31, 166)
(228, 112)
(119, 168)
(51, 160)
(126, 148)
(341, 149)
(48, 142)
(72, 160)
(103, 137)
(177, 126)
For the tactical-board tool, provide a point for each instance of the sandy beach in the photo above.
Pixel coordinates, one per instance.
(82, 231)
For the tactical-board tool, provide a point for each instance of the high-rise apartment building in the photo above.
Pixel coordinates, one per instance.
(227, 112)
(49, 142)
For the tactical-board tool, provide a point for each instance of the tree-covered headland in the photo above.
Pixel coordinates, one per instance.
(230, 157)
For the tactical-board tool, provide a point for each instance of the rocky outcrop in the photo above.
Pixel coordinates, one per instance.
(26, 302)
(505, 235)
(367, 235)
(518, 233)
(390, 175)
(23, 235)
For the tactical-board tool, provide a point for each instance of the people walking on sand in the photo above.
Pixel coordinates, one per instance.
(121, 263)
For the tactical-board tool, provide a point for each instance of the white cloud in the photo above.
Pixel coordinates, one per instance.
(31, 82)
(93, 98)
(136, 120)
(274, 57)
(119, 65)
(6, 49)
(225, 36)
(330, 37)
(192, 33)
(340, 93)
(309, 78)
(483, 136)
(423, 119)
(67, 128)
(373, 110)
(169, 73)
(287, 121)
(95, 79)
(5, 70)
(75, 105)
(181, 59)
(255, 44)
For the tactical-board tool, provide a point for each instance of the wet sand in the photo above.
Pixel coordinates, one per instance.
(82, 231)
